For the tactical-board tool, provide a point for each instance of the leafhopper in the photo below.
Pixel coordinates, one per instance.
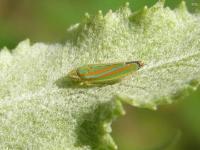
(104, 73)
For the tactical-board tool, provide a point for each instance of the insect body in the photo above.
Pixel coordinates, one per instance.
(104, 73)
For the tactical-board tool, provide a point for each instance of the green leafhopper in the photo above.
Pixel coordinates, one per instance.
(104, 73)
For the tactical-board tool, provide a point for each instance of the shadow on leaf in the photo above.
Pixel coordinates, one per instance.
(66, 82)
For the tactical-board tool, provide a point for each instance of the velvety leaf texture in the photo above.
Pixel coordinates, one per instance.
(41, 109)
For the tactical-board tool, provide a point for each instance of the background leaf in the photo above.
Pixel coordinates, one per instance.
(41, 109)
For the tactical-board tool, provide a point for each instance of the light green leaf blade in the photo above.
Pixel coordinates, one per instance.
(40, 109)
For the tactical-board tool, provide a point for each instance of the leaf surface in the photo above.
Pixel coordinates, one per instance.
(41, 109)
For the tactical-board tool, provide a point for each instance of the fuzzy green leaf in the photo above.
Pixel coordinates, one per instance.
(41, 109)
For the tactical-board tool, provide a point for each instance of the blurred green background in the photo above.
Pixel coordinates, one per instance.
(172, 127)
(47, 20)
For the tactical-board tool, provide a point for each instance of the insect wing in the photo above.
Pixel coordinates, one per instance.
(105, 72)
(95, 71)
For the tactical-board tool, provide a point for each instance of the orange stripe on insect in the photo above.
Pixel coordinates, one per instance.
(98, 71)
(116, 71)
